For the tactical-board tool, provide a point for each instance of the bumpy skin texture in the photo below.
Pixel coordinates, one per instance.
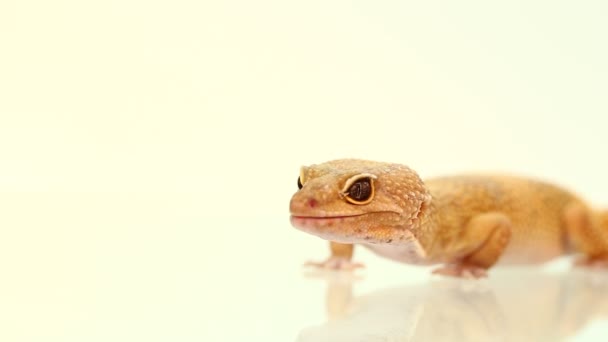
(467, 223)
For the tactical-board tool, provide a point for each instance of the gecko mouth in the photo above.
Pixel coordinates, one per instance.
(308, 223)
(336, 217)
(344, 228)
(301, 217)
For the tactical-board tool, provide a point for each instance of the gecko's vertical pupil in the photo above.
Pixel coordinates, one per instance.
(360, 190)
(299, 183)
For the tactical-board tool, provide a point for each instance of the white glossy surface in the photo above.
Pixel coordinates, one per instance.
(93, 267)
(148, 151)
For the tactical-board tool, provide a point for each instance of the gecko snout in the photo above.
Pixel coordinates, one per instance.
(303, 204)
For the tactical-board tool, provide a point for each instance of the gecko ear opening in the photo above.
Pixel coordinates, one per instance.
(359, 189)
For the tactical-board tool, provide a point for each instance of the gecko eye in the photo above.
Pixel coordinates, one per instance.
(299, 183)
(361, 191)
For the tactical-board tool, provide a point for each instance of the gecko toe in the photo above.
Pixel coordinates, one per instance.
(597, 262)
(462, 271)
(334, 263)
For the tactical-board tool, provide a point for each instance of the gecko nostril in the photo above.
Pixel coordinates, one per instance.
(312, 202)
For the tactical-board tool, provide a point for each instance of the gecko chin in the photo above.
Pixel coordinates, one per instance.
(351, 229)
(316, 222)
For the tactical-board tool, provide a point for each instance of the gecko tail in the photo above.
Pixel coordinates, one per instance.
(603, 222)
(602, 227)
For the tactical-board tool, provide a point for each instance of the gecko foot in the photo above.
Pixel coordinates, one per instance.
(336, 263)
(462, 271)
(599, 262)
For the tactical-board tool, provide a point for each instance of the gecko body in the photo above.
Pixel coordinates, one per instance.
(465, 223)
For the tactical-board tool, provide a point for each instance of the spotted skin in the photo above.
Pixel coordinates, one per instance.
(465, 223)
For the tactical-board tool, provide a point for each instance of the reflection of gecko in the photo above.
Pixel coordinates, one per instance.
(467, 223)
(523, 305)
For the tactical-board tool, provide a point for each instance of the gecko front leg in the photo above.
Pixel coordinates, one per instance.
(479, 247)
(340, 258)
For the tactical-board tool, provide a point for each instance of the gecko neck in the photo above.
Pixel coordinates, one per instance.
(425, 228)
(417, 246)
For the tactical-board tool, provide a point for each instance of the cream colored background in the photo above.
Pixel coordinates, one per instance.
(148, 149)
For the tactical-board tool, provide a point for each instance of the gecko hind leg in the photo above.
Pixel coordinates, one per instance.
(588, 234)
(484, 239)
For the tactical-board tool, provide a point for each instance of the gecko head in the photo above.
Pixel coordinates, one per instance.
(359, 201)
